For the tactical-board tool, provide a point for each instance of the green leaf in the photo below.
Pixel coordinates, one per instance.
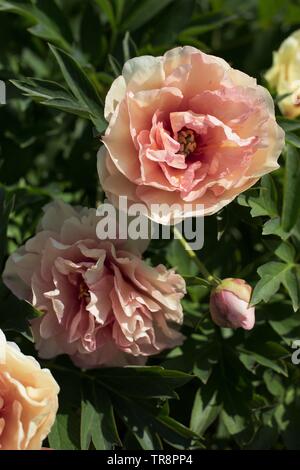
(291, 282)
(42, 89)
(171, 21)
(80, 85)
(267, 434)
(71, 106)
(138, 423)
(128, 45)
(288, 125)
(50, 23)
(235, 391)
(65, 433)
(273, 227)
(15, 314)
(284, 321)
(206, 408)
(61, 435)
(273, 364)
(272, 275)
(204, 359)
(93, 41)
(97, 419)
(288, 417)
(88, 421)
(6, 206)
(292, 139)
(263, 347)
(150, 382)
(204, 28)
(180, 260)
(274, 383)
(146, 421)
(143, 13)
(119, 8)
(23, 9)
(268, 195)
(107, 8)
(286, 252)
(176, 434)
(291, 196)
(115, 65)
(53, 95)
(266, 202)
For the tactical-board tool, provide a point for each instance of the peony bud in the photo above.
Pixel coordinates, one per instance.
(229, 304)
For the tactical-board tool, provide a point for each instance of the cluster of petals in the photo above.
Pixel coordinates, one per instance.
(101, 303)
(186, 130)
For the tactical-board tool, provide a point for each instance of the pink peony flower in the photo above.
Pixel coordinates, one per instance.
(28, 399)
(229, 304)
(102, 304)
(186, 128)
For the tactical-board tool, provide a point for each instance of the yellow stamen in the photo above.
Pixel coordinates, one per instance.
(84, 292)
(186, 138)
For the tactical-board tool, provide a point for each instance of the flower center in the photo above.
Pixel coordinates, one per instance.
(84, 292)
(187, 140)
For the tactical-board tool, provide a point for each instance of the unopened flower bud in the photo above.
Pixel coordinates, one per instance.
(229, 304)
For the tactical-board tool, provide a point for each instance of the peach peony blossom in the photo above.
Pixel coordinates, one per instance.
(28, 399)
(229, 304)
(284, 75)
(186, 128)
(102, 304)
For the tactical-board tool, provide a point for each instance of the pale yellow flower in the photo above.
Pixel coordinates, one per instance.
(284, 75)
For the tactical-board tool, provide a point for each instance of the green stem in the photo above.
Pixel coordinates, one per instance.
(202, 268)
